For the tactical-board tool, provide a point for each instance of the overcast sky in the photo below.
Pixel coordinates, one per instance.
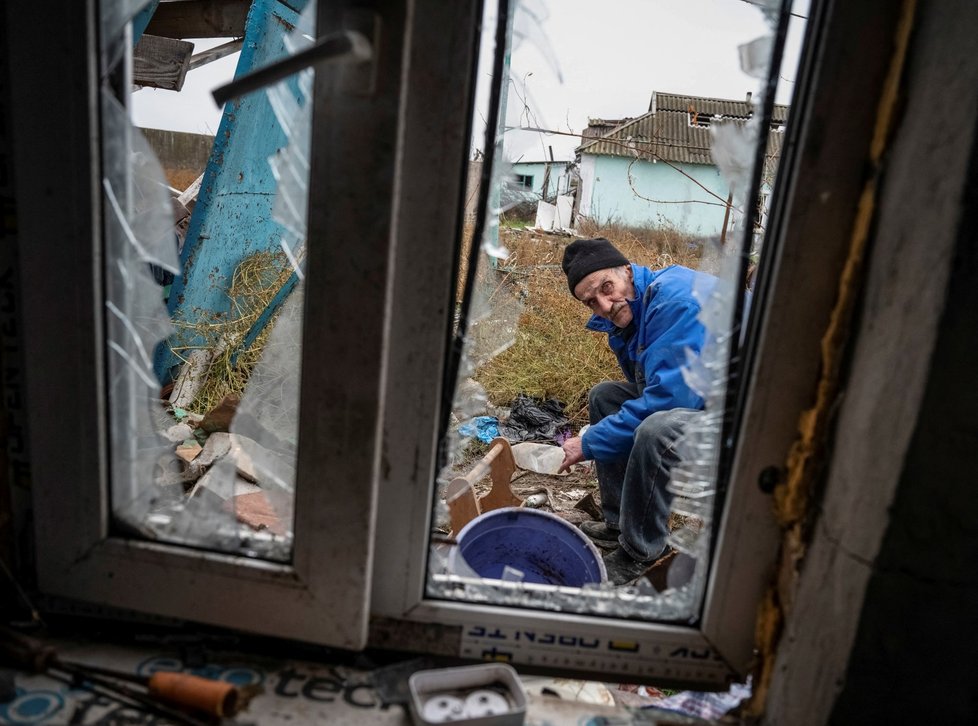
(582, 59)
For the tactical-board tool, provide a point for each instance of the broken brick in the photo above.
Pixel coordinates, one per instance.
(189, 452)
(256, 511)
(219, 418)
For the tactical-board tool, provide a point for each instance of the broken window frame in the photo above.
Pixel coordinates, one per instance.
(387, 465)
(783, 356)
(400, 572)
(322, 595)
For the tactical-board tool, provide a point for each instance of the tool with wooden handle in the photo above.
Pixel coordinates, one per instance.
(189, 693)
(185, 690)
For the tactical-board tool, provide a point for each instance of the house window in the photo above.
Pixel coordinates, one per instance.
(211, 410)
(524, 181)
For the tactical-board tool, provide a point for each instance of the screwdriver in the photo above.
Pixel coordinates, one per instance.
(193, 693)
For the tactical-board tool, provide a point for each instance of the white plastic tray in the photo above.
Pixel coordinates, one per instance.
(480, 695)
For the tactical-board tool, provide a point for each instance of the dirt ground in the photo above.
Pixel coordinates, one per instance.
(574, 496)
(564, 494)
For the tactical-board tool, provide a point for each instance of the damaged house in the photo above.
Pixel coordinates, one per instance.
(658, 169)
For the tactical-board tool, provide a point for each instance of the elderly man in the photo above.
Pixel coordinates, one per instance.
(651, 320)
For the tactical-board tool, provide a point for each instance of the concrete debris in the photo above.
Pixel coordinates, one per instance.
(240, 447)
(179, 432)
(215, 483)
(216, 447)
(226, 473)
(171, 473)
(536, 500)
(254, 510)
(241, 450)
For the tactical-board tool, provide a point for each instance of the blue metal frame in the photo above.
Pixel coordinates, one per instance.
(233, 215)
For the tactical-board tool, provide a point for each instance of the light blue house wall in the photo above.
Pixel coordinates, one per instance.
(608, 195)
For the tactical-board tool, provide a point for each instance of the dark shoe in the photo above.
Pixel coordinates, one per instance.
(622, 568)
(602, 534)
(673, 569)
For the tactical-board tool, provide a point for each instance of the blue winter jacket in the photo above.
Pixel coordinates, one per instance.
(665, 327)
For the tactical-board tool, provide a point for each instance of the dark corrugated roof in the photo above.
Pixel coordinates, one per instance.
(711, 106)
(677, 128)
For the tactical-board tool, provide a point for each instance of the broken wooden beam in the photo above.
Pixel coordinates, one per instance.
(160, 62)
(200, 19)
(212, 54)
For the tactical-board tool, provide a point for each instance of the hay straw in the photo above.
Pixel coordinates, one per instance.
(256, 280)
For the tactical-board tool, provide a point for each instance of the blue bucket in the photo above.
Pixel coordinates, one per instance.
(545, 548)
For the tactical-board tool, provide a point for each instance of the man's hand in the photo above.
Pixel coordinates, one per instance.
(573, 453)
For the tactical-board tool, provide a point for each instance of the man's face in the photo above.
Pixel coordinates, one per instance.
(607, 292)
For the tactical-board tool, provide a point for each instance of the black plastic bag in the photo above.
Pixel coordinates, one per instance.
(532, 419)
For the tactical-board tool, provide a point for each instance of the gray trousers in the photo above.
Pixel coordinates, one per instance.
(633, 489)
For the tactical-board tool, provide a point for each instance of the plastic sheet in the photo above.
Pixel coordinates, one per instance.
(535, 420)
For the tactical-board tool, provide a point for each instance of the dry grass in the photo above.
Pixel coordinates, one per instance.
(255, 282)
(181, 178)
(553, 355)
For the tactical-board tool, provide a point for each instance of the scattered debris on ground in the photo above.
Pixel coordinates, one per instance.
(210, 464)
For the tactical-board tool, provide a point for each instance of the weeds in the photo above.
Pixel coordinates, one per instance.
(553, 355)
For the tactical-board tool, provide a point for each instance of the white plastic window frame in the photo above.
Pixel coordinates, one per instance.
(808, 236)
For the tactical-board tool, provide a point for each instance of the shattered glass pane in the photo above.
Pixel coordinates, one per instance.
(665, 170)
(204, 260)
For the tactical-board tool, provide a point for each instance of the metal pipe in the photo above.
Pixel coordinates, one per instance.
(346, 45)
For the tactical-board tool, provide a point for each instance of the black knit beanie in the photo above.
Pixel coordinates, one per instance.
(584, 256)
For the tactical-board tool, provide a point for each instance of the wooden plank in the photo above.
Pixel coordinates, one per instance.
(212, 54)
(161, 62)
(502, 467)
(200, 19)
(463, 507)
